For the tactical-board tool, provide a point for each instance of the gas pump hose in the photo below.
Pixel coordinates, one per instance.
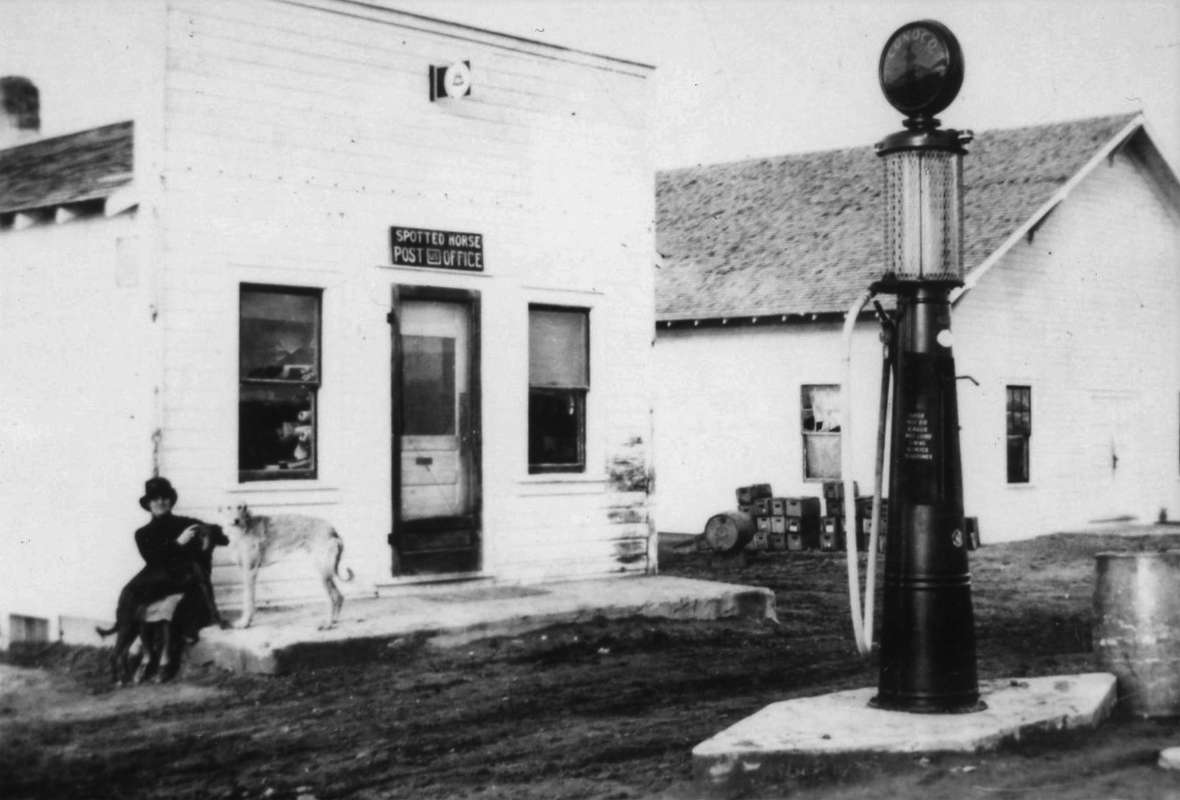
(862, 619)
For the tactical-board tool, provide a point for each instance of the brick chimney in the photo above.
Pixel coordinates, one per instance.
(20, 115)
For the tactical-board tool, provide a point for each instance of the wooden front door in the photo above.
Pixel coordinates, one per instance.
(436, 476)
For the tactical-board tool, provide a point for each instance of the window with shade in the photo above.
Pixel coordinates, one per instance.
(559, 380)
(821, 432)
(1019, 414)
(278, 378)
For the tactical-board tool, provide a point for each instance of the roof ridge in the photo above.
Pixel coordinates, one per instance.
(803, 154)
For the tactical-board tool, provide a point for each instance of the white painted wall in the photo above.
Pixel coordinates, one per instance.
(1085, 314)
(75, 438)
(729, 413)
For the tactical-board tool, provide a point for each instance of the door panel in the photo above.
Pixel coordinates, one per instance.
(436, 493)
(1108, 455)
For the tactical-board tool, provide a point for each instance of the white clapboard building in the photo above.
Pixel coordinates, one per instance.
(337, 260)
(1068, 327)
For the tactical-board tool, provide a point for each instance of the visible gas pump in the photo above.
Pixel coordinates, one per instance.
(927, 657)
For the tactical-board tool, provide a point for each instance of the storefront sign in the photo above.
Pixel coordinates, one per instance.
(419, 247)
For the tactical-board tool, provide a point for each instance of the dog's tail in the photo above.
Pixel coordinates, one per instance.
(105, 632)
(347, 576)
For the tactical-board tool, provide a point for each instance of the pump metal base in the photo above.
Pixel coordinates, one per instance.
(920, 706)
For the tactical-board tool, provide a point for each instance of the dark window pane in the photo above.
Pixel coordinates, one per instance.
(428, 369)
(279, 335)
(1017, 459)
(555, 428)
(276, 429)
(1019, 430)
(559, 348)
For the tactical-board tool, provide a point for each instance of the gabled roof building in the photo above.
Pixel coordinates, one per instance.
(1067, 326)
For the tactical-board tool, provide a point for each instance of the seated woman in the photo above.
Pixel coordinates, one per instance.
(176, 561)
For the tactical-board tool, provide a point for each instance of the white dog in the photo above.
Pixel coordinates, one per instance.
(259, 539)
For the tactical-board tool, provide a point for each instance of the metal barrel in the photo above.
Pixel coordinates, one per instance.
(729, 531)
(1137, 628)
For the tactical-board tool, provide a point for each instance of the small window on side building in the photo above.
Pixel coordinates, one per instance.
(559, 380)
(1019, 414)
(821, 432)
(278, 380)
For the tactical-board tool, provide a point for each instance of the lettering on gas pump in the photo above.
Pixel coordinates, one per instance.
(918, 437)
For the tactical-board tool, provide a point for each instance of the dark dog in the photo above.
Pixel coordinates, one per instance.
(161, 626)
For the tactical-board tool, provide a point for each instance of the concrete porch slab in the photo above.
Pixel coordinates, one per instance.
(450, 614)
(813, 736)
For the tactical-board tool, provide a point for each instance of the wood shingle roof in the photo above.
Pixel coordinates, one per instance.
(62, 170)
(803, 234)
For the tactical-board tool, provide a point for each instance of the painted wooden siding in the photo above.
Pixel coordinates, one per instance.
(294, 138)
(1085, 314)
(729, 413)
(80, 364)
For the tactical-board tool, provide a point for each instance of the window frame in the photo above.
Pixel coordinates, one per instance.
(310, 386)
(577, 394)
(807, 435)
(1019, 432)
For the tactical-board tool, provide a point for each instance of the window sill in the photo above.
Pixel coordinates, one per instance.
(1020, 487)
(561, 477)
(557, 482)
(280, 485)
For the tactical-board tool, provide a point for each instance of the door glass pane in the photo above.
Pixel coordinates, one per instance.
(428, 364)
(558, 348)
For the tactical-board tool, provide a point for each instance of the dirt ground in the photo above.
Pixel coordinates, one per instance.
(607, 710)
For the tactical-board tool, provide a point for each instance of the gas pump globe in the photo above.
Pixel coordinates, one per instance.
(927, 658)
(921, 71)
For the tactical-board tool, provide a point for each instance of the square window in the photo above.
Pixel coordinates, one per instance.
(278, 378)
(559, 381)
(821, 422)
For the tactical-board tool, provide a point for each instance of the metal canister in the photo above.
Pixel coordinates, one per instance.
(1137, 628)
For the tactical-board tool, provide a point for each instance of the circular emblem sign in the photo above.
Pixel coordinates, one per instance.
(921, 68)
(457, 79)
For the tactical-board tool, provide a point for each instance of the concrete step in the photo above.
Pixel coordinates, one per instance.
(285, 639)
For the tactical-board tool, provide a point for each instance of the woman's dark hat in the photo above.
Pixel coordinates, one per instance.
(156, 487)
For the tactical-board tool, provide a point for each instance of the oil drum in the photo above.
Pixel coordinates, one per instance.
(729, 531)
(1137, 628)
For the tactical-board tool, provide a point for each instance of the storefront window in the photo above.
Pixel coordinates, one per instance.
(559, 380)
(279, 375)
